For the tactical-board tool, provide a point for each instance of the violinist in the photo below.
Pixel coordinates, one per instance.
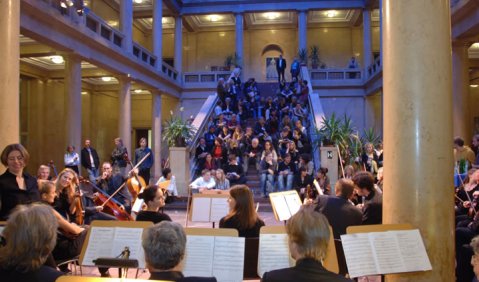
(110, 182)
(69, 203)
(43, 173)
(154, 200)
(465, 196)
(16, 186)
(145, 166)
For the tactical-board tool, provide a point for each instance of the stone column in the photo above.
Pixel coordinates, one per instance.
(124, 125)
(156, 133)
(126, 24)
(302, 30)
(367, 49)
(462, 123)
(418, 163)
(239, 37)
(158, 32)
(381, 30)
(178, 44)
(9, 72)
(73, 103)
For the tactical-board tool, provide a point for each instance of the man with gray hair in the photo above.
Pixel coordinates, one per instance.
(164, 245)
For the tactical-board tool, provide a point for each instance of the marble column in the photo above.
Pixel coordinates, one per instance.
(156, 133)
(9, 72)
(302, 30)
(158, 32)
(462, 123)
(178, 44)
(239, 37)
(124, 125)
(418, 163)
(73, 103)
(367, 41)
(126, 24)
(381, 30)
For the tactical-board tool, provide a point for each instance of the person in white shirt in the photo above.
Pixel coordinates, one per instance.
(204, 182)
(167, 175)
(72, 160)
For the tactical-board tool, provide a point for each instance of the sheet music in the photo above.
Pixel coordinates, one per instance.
(199, 255)
(412, 250)
(359, 255)
(137, 205)
(273, 253)
(219, 208)
(293, 202)
(386, 251)
(228, 262)
(280, 206)
(131, 238)
(201, 209)
(100, 244)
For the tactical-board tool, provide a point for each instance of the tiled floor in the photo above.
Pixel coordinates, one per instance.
(180, 217)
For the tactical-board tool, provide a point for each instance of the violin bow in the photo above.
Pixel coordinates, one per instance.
(340, 160)
(462, 183)
(141, 161)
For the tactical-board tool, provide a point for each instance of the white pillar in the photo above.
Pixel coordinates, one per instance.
(381, 30)
(156, 133)
(239, 37)
(158, 32)
(367, 49)
(126, 24)
(178, 44)
(462, 123)
(73, 103)
(302, 30)
(124, 120)
(9, 72)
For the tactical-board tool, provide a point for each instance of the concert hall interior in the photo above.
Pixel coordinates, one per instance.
(223, 114)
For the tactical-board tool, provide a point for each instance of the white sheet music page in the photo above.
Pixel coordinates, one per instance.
(281, 207)
(228, 262)
(387, 253)
(219, 208)
(201, 209)
(412, 250)
(100, 244)
(273, 253)
(293, 202)
(359, 255)
(131, 238)
(199, 255)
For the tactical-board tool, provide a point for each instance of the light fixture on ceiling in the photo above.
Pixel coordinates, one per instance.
(106, 78)
(474, 85)
(84, 92)
(138, 91)
(330, 13)
(475, 45)
(164, 20)
(57, 59)
(222, 34)
(112, 23)
(138, 1)
(214, 18)
(271, 15)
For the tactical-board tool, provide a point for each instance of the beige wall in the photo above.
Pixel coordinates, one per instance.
(474, 110)
(374, 112)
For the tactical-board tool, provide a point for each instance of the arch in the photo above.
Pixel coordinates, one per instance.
(272, 47)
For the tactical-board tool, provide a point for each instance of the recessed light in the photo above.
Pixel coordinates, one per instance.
(164, 20)
(57, 59)
(271, 15)
(138, 1)
(138, 91)
(84, 92)
(214, 18)
(331, 13)
(474, 85)
(106, 78)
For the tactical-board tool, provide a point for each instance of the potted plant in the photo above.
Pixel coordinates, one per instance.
(314, 56)
(229, 61)
(178, 132)
(303, 56)
(233, 60)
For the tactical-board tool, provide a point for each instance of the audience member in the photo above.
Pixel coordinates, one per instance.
(145, 167)
(234, 171)
(72, 160)
(268, 170)
(286, 172)
(118, 156)
(222, 183)
(204, 182)
(90, 161)
(171, 190)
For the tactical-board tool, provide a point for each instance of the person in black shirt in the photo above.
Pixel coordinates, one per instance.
(302, 181)
(154, 200)
(16, 186)
(234, 171)
(372, 206)
(242, 215)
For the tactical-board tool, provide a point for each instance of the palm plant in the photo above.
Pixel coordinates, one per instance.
(371, 136)
(303, 56)
(178, 132)
(314, 56)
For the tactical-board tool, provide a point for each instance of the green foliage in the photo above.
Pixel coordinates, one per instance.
(178, 132)
(371, 136)
(303, 56)
(314, 56)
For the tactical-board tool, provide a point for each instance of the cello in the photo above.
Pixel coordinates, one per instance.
(135, 183)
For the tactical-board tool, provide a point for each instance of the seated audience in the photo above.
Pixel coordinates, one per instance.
(369, 159)
(164, 245)
(242, 215)
(268, 169)
(154, 200)
(372, 206)
(209, 163)
(308, 238)
(29, 238)
(286, 171)
(222, 183)
(252, 152)
(204, 182)
(234, 171)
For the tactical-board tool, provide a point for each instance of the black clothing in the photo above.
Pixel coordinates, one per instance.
(233, 222)
(235, 168)
(43, 274)
(11, 195)
(373, 209)
(154, 217)
(178, 277)
(340, 213)
(305, 270)
(85, 158)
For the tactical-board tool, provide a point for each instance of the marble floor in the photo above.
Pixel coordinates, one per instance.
(180, 217)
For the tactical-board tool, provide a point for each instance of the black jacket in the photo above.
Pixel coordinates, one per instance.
(85, 158)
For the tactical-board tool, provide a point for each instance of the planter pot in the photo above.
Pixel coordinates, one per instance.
(180, 168)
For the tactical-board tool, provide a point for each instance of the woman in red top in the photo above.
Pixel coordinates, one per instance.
(209, 163)
(218, 152)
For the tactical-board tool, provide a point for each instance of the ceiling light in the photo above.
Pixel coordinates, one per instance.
(84, 92)
(474, 85)
(57, 59)
(330, 13)
(271, 15)
(214, 18)
(164, 20)
(222, 34)
(137, 91)
(112, 23)
(138, 1)
(106, 78)
(475, 45)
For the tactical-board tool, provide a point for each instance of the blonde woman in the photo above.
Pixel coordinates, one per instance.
(222, 183)
(242, 215)
(30, 236)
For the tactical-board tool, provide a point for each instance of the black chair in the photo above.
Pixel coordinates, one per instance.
(250, 270)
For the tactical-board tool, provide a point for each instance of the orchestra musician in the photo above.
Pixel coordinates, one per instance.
(154, 199)
(43, 173)
(16, 186)
(110, 182)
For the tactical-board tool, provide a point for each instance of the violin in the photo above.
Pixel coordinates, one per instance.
(100, 198)
(76, 204)
(135, 183)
